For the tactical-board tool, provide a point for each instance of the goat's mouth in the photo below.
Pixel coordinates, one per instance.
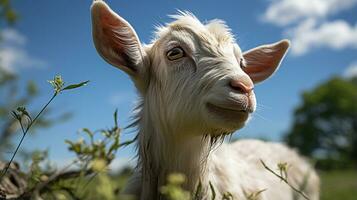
(228, 113)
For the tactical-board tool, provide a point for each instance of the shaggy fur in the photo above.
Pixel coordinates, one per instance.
(188, 105)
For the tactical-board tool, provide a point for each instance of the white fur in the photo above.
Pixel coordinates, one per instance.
(177, 131)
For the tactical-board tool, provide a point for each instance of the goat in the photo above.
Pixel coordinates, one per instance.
(196, 87)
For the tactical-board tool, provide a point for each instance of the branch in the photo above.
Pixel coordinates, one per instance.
(58, 86)
(25, 131)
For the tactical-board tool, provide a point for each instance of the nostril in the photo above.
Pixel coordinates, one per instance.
(236, 87)
(240, 86)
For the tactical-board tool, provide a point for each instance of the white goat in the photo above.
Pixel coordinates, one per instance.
(196, 86)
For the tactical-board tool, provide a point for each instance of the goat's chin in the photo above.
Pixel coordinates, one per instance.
(225, 119)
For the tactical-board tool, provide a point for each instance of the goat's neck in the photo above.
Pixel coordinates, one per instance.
(164, 150)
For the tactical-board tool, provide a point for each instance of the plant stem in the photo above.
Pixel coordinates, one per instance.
(285, 180)
(38, 115)
(24, 135)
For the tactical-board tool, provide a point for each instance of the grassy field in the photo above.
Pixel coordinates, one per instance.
(339, 185)
(335, 185)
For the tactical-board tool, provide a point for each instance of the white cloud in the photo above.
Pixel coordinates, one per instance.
(306, 23)
(284, 12)
(13, 54)
(351, 70)
(12, 36)
(335, 35)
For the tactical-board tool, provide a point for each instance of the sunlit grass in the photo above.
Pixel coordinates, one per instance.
(340, 184)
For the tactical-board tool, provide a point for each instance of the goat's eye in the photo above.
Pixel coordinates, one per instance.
(242, 63)
(175, 53)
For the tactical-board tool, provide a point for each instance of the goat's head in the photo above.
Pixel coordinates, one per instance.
(193, 74)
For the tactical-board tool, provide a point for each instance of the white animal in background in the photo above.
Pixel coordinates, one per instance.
(196, 87)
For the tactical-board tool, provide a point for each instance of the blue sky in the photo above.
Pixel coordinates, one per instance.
(54, 37)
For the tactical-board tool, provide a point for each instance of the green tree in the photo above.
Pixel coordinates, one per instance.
(7, 13)
(325, 123)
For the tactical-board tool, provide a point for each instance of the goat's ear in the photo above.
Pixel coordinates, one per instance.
(261, 62)
(115, 39)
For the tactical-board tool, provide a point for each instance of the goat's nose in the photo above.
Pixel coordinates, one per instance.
(244, 86)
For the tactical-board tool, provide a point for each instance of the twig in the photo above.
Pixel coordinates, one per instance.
(61, 174)
(285, 180)
(24, 135)
(52, 180)
(103, 169)
(58, 86)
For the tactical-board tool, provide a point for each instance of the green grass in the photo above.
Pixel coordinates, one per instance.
(339, 185)
(335, 185)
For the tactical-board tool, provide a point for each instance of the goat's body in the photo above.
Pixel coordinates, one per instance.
(236, 168)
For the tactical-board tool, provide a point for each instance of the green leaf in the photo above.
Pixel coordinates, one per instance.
(69, 142)
(227, 196)
(212, 190)
(127, 143)
(15, 115)
(74, 86)
(198, 191)
(32, 88)
(116, 117)
(23, 111)
(88, 132)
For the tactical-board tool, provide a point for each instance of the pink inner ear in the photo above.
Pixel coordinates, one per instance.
(107, 18)
(263, 61)
(260, 68)
(111, 26)
(115, 39)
